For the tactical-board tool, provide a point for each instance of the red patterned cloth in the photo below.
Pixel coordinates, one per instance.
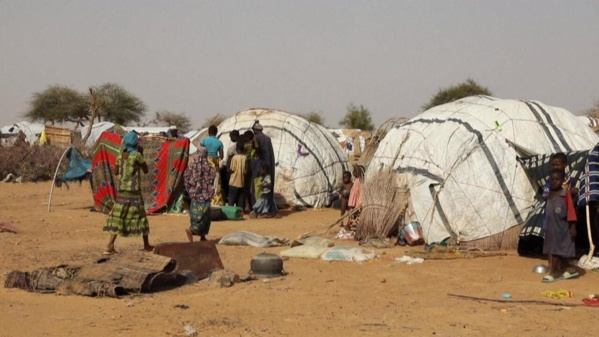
(166, 159)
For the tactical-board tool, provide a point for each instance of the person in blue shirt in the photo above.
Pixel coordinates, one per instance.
(214, 147)
(213, 144)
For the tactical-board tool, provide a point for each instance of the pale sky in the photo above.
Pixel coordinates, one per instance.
(209, 57)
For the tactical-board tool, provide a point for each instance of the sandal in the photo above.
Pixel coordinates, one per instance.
(568, 275)
(549, 279)
(109, 252)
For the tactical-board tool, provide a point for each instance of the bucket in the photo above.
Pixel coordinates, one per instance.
(412, 232)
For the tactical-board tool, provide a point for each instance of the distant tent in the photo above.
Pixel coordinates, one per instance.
(309, 160)
(461, 162)
(161, 187)
(194, 137)
(96, 132)
(31, 130)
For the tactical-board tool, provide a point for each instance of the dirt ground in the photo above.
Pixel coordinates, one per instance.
(316, 298)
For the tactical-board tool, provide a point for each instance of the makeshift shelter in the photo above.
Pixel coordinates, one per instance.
(460, 161)
(309, 161)
(592, 122)
(161, 187)
(97, 129)
(194, 138)
(32, 131)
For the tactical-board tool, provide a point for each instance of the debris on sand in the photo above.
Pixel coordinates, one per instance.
(6, 227)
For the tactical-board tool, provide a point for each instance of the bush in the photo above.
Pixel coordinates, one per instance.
(32, 163)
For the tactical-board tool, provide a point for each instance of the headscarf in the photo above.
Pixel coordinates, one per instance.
(130, 142)
(199, 177)
(257, 126)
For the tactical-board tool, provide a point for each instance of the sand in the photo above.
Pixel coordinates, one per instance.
(316, 298)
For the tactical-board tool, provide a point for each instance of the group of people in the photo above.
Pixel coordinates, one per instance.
(249, 167)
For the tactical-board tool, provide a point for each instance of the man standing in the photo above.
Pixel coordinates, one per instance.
(215, 154)
(265, 153)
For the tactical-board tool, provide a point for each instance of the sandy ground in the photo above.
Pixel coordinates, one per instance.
(317, 298)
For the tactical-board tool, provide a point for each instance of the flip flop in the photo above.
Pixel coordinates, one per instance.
(593, 302)
(567, 275)
(549, 279)
(109, 252)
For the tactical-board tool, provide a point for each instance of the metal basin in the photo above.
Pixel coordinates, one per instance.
(265, 265)
(540, 269)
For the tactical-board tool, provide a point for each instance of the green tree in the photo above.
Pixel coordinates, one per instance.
(455, 92)
(168, 118)
(110, 102)
(357, 117)
(314, 117)
(119, 106)
(58, 104)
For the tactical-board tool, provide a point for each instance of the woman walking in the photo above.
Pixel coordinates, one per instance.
(128, 215)
(199, 184)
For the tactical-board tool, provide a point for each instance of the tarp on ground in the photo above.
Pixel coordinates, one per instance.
(309, 161)
(466, 181)
(166, 158)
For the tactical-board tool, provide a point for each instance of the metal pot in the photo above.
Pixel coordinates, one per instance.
(540, 269)
(266, 265)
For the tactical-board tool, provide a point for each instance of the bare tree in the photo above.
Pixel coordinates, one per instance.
(169, 118)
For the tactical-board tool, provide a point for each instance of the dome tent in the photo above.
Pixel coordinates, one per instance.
(309, 161)
(461, 162)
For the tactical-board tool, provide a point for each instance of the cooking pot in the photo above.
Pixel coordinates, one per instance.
(540, 269)
(266, 265)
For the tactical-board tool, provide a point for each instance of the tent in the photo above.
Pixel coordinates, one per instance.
(99, 128)
(461, 162)
(309, 161)
(161, 187)
(31, 130)
(194, 137)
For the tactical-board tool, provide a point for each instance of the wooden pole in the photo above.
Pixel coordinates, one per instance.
(54, 179)
(591, 245)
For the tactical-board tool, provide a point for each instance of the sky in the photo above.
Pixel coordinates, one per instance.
(202, 58)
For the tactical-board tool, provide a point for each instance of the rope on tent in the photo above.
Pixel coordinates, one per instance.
(55, 174)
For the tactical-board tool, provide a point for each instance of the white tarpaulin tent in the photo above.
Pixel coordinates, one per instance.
(194, 137)
(308, 160)
(97, 130)
(31, 130)
(465, 181)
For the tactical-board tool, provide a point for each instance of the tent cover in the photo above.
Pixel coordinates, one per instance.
(161, 187)
(461, 161)
(309, 161)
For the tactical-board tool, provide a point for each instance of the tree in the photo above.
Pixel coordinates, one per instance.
(314, 117)
(118, 105)
(58, 104)
(455, 92)
(214, 120)
(594, 111)
(168, 118)
(357, 117)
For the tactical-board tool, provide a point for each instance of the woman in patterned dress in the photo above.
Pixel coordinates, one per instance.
(128, 215)
(199, 184)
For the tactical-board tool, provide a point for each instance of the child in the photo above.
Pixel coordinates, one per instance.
(561, 229)
(265, 206)
(355, 197)
(343, 192)
(237, 172)
(559, 161)
(128, 215)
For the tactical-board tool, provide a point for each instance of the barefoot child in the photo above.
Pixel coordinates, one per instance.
(199, 184)
(561, 229)
(355, 197)
(265, 206)
(128, 216)
(343, 192)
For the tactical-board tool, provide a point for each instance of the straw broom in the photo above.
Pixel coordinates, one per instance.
(382, 207)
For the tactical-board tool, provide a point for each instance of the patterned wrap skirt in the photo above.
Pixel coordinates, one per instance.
(128, 216)
(199, 217)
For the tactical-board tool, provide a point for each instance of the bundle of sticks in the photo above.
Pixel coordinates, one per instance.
(383, 205)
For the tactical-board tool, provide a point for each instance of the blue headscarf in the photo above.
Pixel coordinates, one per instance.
(130, 142)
